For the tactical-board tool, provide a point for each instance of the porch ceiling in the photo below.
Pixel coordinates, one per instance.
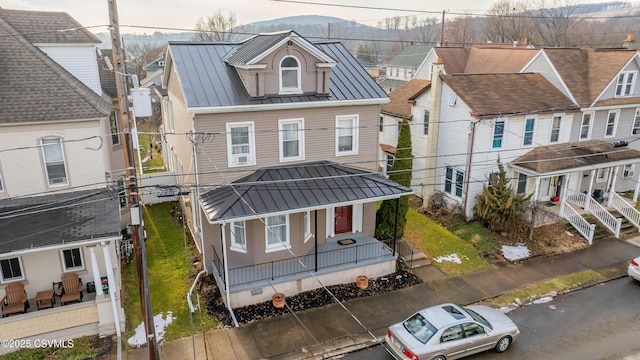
(575, 156)
(296, 186)
(28, 223)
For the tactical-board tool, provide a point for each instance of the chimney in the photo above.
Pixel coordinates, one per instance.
(431, 176)
(628, 41)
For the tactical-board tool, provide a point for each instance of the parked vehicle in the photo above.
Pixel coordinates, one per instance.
(634, 268)
(448, 331)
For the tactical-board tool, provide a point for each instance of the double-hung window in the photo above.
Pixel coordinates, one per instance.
(636, 123)
(625, 84)
(381, 123)
(453, 181)
(522, 184)
(425, 125)
(585, 127)
(238, 236)
(556, 123)
(72, 259)
(241, 144)
(346, 135)
(498, 134)
(529, 128)
(390, 160)
(54, 161)
(277, 233)
(612, 121)
(290, 75)
(628, 171)
(602, 174)
(115, 128)
(11, 269)
(291, 135)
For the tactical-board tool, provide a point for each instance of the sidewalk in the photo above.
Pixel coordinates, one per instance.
(335, 331)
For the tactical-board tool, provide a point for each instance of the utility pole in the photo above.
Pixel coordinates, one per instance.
(132, 181)
(442, 30)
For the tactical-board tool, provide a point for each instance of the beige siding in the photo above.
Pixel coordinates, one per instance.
(319, 139)
(369, 219)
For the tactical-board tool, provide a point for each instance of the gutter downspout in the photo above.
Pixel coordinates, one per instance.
(226, 273)
(112, 295)
(467, 176)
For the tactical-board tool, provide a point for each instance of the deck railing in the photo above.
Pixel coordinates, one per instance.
(577, 221)
(604, 216)
(278, 268)
(627, 210)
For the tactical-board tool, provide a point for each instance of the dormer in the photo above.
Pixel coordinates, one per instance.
(282, 64)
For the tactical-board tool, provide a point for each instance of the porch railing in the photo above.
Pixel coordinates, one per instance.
(219, 264)
(627, 210)
(403, 249)
(279, 268)
(598, 211)
(578, 222)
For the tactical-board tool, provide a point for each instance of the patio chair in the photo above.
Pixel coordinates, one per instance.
(71, 289)
(15, 299)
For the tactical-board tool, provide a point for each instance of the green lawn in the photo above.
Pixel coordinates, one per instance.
(436, 241)
(170, 275)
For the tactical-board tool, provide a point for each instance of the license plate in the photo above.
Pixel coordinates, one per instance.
(396, 345)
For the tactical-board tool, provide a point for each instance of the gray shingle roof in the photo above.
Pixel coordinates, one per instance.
(303, 186)
(45, 27)
(207, 81)
(255, 46)
(61, 218)
(33, 87)
(107, 74)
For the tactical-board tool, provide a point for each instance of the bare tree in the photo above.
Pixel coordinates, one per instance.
(425, 30)
(554, 21)
(507, 21)
(462, 31)
(218, 27)
(140, 55)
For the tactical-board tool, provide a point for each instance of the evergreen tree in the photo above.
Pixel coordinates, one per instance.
(401, 172)
(498, 206)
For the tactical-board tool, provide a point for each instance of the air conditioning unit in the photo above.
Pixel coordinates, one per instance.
(240, 159)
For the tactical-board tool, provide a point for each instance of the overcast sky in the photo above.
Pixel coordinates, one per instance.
(183, 14)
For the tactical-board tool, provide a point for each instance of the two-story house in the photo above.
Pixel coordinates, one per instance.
(276, 137)
(59, 214)
(403, 66)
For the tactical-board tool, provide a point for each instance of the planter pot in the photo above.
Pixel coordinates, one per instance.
(362, 282)
(278, 300)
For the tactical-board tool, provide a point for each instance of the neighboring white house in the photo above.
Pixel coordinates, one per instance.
(59, 206)
(403, 66)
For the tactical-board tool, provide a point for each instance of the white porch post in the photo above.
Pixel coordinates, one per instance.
(95, 270)
(112, 284)
(586, 201)
(635, 191)
(612, 188)
(226, 262)
(536, 189)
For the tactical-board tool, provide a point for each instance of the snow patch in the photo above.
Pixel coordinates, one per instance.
(160, 323)
(543, 300)
(517, 252)
(451, 258)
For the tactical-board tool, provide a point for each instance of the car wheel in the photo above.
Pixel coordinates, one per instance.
(503, 344)
(439, 357)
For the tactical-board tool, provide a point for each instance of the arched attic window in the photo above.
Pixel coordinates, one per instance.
(290, 75)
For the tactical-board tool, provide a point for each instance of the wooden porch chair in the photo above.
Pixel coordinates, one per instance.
(15, 299)
(71, 289)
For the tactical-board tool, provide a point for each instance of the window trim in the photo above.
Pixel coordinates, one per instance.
(236, 246)
(354, 122)
(252, 143)
(300, 131)
(426, 118)
(533, 131)
(616, 114)
(455, 183)
(390, 159)
(635, 128)
(591, 114)
(281, 245)
(602, 178)
(381, 124)
(623, 82)
(493, 139)
(114, 124)
(64, 262)
(45, 162)
(559, 129)
(4, 280)
(298, 69)
(522, 180)
(630, 172)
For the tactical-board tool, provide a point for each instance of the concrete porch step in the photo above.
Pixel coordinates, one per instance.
(417, 260)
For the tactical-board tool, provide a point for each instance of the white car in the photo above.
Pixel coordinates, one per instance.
(449, 331)
(634, 268)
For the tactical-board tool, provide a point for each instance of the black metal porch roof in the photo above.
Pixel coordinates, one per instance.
(300, 186)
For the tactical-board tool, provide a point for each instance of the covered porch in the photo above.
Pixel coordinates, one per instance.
(582, 178)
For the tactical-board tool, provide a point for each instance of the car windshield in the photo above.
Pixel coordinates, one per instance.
(477, 317)
(419, 327)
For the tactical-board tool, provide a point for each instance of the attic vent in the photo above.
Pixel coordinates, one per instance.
(289, 43)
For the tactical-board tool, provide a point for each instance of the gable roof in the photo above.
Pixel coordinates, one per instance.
(107, 74)
(58, 219)
(411, 56)
(490, 95)
(575, 156)
(296, 187)
(484, 59)
(399, 104)
(33, 87)
(45, 27)
(210, 84)
(587, 72)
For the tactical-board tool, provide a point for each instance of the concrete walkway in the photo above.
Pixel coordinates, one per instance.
(331, 330)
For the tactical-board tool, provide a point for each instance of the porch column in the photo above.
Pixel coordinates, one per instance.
(635, 191)
(225, 262)
(536, 189)
(95, 270)
(586, 200)
(612, 188)
(112, 284)
(563, 194)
